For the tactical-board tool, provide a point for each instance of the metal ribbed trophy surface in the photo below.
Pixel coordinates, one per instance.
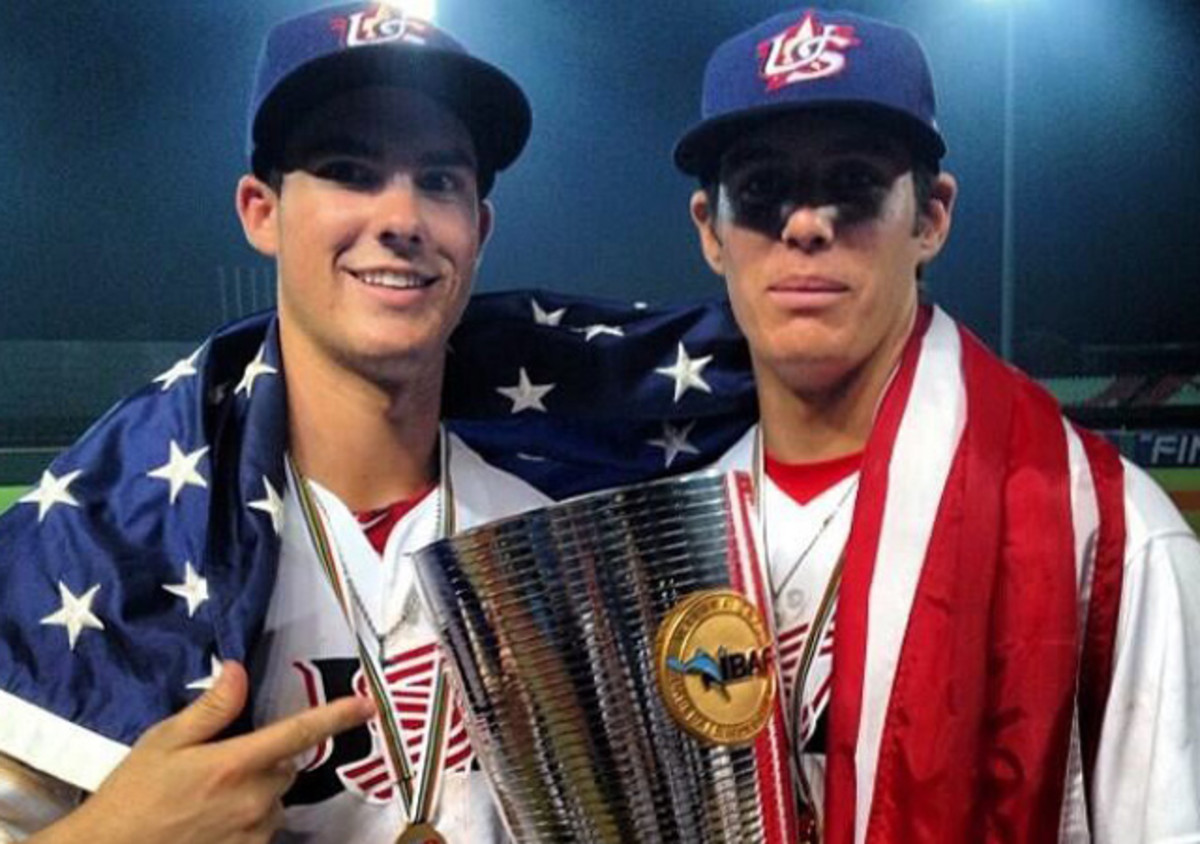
(618, 674)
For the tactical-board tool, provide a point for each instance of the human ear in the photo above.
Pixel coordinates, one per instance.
(705, 219)
(487, 219)
(257, 208)
(485, 225)
(937, 216)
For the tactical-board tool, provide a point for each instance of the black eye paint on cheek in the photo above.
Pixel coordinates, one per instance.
(861, 207)
(766, 218)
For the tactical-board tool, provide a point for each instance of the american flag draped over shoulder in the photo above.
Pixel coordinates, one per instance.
(577, 394)
(147, 551)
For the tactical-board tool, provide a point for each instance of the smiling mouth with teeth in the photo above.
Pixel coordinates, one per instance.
(395, 280)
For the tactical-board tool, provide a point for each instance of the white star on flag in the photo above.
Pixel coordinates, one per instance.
(272, 505)
(541, 317)
(675, 442)
(180, 470)
(206, 683)
(194, 589)
(75, 614)
(51, 491)
(185, 368)
(526, 395)
(686, 373)
(591, 332)
(254, 369)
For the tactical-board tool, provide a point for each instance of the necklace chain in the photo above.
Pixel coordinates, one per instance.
(444, 526)
(405, 558)
(776, 591)
(418, 789)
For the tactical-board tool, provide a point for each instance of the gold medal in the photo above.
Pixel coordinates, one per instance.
(420, 833)
(714, 664)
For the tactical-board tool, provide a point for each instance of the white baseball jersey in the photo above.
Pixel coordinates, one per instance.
(308, 655)
(1147, 775)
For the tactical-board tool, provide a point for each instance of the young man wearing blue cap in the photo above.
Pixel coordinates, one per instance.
(258, 504)
(983, 616)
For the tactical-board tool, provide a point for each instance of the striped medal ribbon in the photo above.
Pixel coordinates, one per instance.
(417, 789)
(810, 831)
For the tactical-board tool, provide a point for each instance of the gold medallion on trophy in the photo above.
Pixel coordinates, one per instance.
(714, 662)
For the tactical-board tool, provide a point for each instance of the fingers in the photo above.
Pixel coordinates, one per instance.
(283, 776)
(281, 741)
(207, 716)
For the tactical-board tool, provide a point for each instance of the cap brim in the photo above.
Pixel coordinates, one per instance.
(490, 104)
(699, 151)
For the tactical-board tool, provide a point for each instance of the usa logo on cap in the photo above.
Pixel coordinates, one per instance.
(382, 26)
(805, 51)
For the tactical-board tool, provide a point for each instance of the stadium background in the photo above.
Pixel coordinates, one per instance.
(121, 127)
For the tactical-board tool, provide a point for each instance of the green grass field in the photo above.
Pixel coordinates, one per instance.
(9, 494)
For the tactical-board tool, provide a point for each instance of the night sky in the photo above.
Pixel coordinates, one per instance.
(122, 126)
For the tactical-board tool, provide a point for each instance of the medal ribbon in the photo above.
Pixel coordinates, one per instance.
(418, 790)
(824, 614)
(816, 631)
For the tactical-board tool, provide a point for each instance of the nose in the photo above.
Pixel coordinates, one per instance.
(401, 219)
(809, 228)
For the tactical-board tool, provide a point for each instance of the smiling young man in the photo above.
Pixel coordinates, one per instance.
(986, 622)
(258, 505)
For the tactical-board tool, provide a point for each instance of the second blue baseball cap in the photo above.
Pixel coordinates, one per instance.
(311, 57)
(811, 59)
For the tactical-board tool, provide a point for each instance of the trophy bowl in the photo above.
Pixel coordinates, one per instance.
(616, 661)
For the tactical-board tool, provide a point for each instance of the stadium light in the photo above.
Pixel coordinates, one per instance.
(1008, 247)
(423, 9)
(1008, 251)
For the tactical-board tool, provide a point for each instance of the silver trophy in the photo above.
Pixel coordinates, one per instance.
(618, 674)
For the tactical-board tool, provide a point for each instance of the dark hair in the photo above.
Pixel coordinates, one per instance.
(924, 176)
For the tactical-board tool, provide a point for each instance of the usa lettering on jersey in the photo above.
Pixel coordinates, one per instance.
(354, 761)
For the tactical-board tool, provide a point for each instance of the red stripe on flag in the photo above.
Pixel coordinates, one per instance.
(850, 647)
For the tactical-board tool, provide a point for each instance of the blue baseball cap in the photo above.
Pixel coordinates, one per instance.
(812, 59)
(309, 58)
